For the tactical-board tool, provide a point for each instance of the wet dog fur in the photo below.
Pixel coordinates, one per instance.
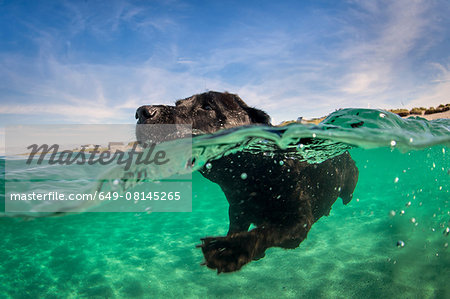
(281, 197)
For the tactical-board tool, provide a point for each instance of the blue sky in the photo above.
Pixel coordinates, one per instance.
(97, 61)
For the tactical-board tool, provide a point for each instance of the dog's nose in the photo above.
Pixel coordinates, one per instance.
(145, 112)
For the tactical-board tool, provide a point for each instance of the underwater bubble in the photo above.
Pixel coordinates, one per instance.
(243, 175)
(392, 213)
(408, 204)
(281, 163)
(400, 244)
(402, 212)
(300, 146)
(393, 142)
(446, 231)
(116, 182)
(382, 115)
(314, 135)
(413, 220)
(208, 165)
(396, 180)
(445, 245)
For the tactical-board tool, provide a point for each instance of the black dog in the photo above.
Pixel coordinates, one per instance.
(282, 197)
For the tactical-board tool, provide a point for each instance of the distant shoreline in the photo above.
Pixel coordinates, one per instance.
(428, 114)
(445, 114)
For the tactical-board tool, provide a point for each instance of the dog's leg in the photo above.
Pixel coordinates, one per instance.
(230, 253)
(238, 220)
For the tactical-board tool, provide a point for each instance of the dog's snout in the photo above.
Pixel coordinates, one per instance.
(145, 112)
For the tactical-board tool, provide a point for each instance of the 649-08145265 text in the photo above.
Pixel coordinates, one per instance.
(103, 196)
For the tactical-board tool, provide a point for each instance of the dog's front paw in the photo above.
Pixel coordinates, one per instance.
(226, 254)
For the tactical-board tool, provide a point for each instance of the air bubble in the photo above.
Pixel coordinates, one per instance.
(400, 244)
(393, 142)
(281, 163)
(208, 165)
(382, 115)
(243, 176)
(116, 182)
(413, 220)
(396, 180)
(392, 213)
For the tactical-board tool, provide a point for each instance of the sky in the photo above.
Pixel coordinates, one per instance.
(89, 62)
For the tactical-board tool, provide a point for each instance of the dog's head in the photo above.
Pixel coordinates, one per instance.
(207, 112)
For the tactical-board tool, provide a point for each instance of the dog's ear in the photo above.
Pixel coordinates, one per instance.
(258, 116)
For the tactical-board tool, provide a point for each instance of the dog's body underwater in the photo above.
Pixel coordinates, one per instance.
(281, 196)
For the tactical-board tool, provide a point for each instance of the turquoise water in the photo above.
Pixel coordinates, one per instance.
(402, 195)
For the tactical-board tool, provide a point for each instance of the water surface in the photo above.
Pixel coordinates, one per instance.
(389, 241)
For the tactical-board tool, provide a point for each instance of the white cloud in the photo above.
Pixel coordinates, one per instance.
(436, 93)
(87, 93)
(373, 63)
